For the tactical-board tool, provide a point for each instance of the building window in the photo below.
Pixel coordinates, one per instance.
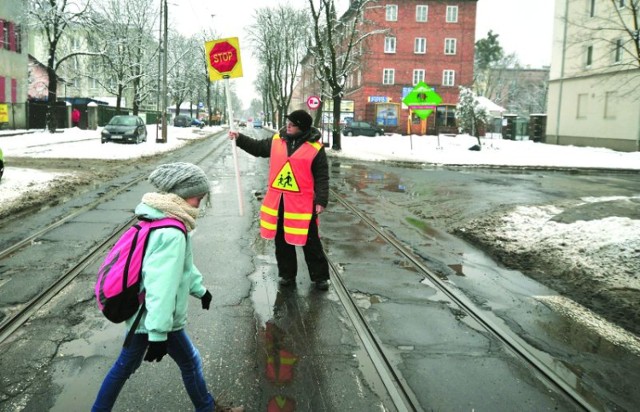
(589, 56)
(75, 43)
(610, 99)
(617, 52)
(93, 83)
(392, 12)
(388, 76)
(583, 100)
(449, 46)
(18, 38)
(452, 14)
(446, 116)
(3, 97)
(420, 45)
(14, 90)
(5, 35)
(418, 76)
(592, 8)
(421, 13)
(448, 78)
(621, 4)
(389, 44)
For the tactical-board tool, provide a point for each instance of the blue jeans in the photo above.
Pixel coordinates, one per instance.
(181, 350)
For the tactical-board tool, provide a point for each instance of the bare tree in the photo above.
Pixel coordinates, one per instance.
(278, 37)
(609, 33)
(124, 33)
(53, 18)
(336, 49)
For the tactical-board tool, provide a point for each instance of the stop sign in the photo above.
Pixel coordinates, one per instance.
(223, 57)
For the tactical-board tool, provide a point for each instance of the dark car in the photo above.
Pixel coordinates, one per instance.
(182, 120)
(362, 129)
(125, 129)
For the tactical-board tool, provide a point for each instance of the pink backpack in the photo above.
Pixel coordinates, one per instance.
(118, 286)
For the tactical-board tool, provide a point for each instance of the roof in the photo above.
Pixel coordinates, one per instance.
(490, 106)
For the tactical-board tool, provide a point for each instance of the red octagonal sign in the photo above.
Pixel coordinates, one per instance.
(223, 57)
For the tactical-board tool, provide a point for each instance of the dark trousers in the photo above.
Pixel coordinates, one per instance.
(313, 254)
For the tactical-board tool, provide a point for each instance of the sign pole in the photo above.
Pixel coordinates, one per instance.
(227, 92)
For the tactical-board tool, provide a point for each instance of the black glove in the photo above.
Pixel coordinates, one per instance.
(206, 300)
(156, 351)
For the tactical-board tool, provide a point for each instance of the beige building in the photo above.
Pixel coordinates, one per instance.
(594, 85)
(13, 66)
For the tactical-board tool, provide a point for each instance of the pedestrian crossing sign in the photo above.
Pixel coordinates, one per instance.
(286, 180)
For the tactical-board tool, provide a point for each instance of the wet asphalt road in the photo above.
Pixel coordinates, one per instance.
(60, 359)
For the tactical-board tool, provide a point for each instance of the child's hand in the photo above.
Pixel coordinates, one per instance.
(205, 300)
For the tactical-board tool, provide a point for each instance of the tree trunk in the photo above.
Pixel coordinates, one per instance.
(337, 101)
(52, 95)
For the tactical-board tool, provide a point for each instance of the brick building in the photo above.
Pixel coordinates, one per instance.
(424, 40)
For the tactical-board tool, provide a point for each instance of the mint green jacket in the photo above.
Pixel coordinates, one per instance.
(169, 276)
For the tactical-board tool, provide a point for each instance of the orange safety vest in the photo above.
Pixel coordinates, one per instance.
(290, 180)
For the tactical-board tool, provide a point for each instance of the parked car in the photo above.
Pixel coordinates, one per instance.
(197, 123)
(242, 123)
(257, 124)
(1, 164)
(124, 128)
(362, 129)
(182, 120)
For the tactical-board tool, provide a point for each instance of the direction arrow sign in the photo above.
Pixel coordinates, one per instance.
(313, 102)
(223, 58)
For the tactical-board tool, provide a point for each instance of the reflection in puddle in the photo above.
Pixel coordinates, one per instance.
(589, 331)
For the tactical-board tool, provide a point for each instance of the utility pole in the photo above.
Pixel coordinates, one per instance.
(164, 75)
(158, 90)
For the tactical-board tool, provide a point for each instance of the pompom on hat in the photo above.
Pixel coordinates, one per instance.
(300, 118)
(183, 179)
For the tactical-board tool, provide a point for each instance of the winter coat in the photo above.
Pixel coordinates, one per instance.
(319, 167)
(169, 276)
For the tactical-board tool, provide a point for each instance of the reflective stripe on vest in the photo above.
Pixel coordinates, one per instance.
(290, 180)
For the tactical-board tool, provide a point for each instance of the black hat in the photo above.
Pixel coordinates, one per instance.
(300, 118)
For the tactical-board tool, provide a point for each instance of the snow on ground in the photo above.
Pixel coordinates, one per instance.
(75, 143)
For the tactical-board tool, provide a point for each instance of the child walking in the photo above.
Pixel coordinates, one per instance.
(169, 276)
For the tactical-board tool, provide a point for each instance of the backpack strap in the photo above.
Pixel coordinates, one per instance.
(134, 326)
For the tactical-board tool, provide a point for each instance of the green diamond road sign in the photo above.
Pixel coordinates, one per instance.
(422, 100)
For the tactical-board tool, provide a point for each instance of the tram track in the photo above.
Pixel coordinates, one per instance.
(398, 389)
(21, 313)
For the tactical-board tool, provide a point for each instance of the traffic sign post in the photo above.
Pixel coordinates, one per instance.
(224, 63)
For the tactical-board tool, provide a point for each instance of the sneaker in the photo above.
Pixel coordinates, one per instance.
(287, 282)
(322, 285)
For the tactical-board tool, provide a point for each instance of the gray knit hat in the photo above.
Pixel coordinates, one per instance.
(183, 179)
